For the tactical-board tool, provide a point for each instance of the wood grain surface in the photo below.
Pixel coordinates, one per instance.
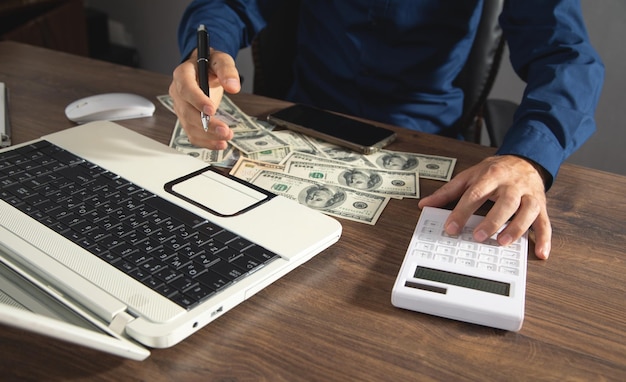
(332, 319)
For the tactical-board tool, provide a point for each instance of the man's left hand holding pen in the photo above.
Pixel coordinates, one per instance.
(191, 101)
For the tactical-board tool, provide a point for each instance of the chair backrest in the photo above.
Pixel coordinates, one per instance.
(479, 73)
(274, 50)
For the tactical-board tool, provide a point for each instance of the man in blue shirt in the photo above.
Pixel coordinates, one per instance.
(395, 61)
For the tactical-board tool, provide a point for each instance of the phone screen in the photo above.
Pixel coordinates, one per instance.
(326, 125)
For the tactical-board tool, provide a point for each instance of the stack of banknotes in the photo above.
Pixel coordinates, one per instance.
(334, 180)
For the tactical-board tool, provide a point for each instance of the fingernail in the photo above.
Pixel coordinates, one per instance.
(543, 252)
(232, 83)
(207, 110)
(505, 240)
(452, 228)
(480, 236)
(220, 130)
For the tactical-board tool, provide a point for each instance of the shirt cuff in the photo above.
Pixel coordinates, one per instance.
(534, 144)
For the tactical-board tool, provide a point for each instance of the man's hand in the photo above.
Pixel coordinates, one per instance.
(518, 190)
(189, 100)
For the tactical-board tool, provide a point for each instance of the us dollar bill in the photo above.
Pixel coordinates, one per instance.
(385, 182)
(247, 168)
(336, 201)
(256, 141)
(180, 142)
(296, 156)
(341, 154)
(235, 118)
(298, 142)
(428, 166)
(167, 101)
(271, 156)
(227, 112)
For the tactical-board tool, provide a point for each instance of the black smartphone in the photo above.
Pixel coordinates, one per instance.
(359, 136)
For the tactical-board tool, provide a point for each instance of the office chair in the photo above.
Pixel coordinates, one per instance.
(274, 49)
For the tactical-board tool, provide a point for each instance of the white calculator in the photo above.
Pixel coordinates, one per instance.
(458, 278)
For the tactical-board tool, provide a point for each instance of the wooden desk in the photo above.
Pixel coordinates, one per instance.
(332, 318)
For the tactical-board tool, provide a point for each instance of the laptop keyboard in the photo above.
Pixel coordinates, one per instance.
(175, 252)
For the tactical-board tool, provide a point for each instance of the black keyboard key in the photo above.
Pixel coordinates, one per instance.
(247, 263)
(171, 209)
(200, 292)
(213, 280)
(228, 270)
(224, 236)
(183, 300)
(259, 253)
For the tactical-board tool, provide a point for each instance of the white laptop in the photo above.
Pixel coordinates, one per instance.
(149, 246)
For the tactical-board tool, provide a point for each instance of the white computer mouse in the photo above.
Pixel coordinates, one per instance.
(109, 107)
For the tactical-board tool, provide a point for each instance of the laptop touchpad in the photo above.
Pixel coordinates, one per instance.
(216, 193)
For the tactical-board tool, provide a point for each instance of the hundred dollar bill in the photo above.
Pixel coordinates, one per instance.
(255, 141)
(167, 101)
(428, 166)
(180, 142)
(386, 182)
(235, 118)
(342, 154)
(337, 201)
(298, 142)
(227, 112)
(296, 156)
(271, 156)
(246, 168)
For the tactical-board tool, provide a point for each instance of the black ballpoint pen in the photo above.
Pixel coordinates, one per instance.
(203, 69)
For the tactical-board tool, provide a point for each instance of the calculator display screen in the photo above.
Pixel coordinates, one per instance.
(464, 281)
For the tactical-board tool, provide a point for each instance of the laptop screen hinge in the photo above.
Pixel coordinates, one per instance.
(118, 325)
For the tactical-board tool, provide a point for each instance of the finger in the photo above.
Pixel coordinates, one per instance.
(448, 193)
(185, 91)
(215, 138)
(529, 209)
(474, 197)
(224, 68)
(506, 205)
(543, 236)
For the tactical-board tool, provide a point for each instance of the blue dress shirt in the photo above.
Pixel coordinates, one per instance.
(395, 61)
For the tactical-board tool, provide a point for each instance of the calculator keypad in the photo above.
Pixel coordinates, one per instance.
(433, 243)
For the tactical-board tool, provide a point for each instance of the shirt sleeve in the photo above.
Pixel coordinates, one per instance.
(231, 24)
(550, 50)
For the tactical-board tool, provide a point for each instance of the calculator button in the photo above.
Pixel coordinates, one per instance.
(442, 249)
(515, 247)
(491, 241)
(423, 254)
(428, 237)
(448, 241)
(466, 254)
(487, 266)
(468, 237)
(468, 246)
(432, 223)
(467, 230)
(510, 254)
(488, 250)
(443, 258)
(487, 258)
(509, 271)
(443, 234)
(509, 263)
(431, 230)
(466, 262)
(425, 246)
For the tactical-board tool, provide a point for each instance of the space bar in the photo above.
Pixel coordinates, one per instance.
(177, 212)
